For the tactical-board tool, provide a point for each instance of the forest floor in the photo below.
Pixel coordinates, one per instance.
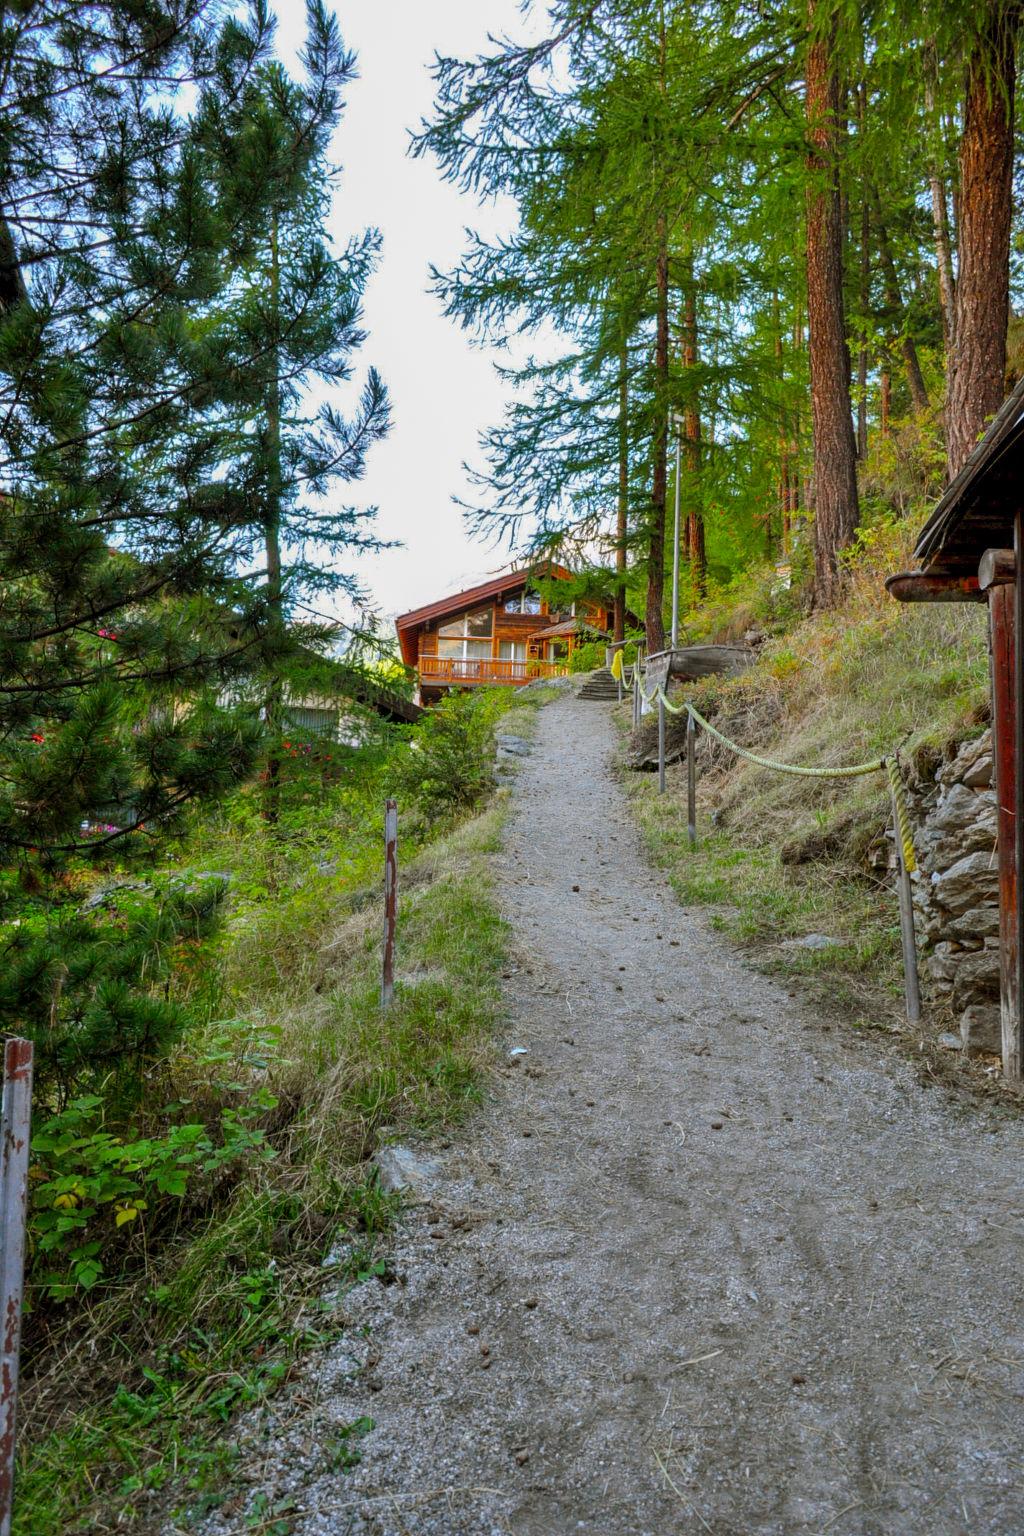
(706, 1261)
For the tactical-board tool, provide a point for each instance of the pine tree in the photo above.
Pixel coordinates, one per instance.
(125, 617)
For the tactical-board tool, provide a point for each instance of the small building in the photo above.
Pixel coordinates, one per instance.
(500, 632)
(970, 551)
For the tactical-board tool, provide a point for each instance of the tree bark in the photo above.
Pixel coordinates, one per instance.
(835, 453)
(622, 510)
(940, 206)
(654, 619)
(693, 445)
(981, 310)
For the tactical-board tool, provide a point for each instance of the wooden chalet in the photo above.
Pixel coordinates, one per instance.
(971, 550)
(500, 632)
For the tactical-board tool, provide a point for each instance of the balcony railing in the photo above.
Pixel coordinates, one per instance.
(449, 670)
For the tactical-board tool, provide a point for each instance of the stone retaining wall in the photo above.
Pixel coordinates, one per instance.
(956, 892)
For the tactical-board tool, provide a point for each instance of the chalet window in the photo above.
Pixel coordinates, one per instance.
(558, 650)
(478, 625)
(511, 650)
(523, 602)
(464, 649)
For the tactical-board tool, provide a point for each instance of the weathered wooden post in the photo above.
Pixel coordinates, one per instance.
(661, 745)
(15, 1125)
(387, 985)
(911, 985)
(691, 779)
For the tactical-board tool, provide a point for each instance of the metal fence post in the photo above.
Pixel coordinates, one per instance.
(661, 745)
(15, 1125)
(691, 779)
(387, 985)
(911, 984)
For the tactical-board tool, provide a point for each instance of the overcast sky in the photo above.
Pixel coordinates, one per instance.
(444, 389)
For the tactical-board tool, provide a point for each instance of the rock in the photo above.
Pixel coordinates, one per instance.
(977, 977)
(960, 887)
(979, 775)
(966, 818)
(978, 923)
(969, 763)
(515, 746)
(402, 1168)
(981, 1029)
(942, 962)
(950, 1042)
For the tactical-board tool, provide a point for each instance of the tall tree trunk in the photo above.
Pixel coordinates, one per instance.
(622, 510)
(274, 700)
(654, 619)
(864, 287)
(885, 402)
(693, 445)
(940, 207)
(981, 312)
(894, 303)
(835, 454)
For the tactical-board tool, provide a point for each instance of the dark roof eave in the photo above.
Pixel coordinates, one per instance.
(962, 494)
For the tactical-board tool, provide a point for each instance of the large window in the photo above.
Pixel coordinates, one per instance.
(523, 602)
(477, 625)
(467, 638)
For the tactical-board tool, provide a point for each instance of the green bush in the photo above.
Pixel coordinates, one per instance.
(450, 765)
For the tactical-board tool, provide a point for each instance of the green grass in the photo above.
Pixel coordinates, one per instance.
(130, 1395)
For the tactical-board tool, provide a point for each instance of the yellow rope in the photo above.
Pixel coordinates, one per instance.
(889, 765)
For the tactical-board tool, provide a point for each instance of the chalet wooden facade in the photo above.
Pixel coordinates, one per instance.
(500, 632)
(971, 550)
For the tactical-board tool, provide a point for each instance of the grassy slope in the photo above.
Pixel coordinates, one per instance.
(218, 1315)
(781, 856)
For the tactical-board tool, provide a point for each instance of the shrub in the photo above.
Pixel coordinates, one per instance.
(450, 766)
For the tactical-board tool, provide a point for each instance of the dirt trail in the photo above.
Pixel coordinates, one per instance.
(734, 1271)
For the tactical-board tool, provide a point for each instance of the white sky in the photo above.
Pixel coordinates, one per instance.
(444, 389)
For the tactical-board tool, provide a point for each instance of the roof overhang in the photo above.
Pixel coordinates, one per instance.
(978, 509)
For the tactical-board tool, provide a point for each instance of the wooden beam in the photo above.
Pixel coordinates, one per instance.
(1001, 607)
(998, 568)
(931, 587)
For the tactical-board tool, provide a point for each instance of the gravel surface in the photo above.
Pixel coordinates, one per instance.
(705, 1262)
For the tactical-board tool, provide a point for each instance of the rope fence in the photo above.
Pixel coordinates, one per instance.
(889, 765)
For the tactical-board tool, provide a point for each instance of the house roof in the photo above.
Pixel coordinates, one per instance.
(977, 511)
(566, 627)
(457, 602)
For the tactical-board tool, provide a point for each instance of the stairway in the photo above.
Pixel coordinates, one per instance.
(599, 685)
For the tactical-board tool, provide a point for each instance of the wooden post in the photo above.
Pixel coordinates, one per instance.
(387, 986)
(661, 745)
(1002, 604)
(691, 779)
(15, 1125)
(911, 983)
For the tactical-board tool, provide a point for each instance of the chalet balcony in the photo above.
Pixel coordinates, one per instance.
(448, 671)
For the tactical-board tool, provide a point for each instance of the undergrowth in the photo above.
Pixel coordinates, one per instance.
(230, 1213)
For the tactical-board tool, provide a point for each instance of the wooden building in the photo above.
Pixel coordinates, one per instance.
(500, 632)
(970, 551)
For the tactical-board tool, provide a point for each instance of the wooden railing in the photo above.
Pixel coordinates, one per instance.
(452, 670)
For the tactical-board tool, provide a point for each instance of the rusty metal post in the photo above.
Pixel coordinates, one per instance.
(691, 779)
(1002, 603)
(661, 745)
(15, 1125)
(387, 985)
(911, 984)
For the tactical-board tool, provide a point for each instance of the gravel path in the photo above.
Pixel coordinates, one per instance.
(705, 1264)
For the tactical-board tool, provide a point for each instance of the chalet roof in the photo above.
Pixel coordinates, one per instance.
(457, 602)
(571, 626)
(977, 511)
